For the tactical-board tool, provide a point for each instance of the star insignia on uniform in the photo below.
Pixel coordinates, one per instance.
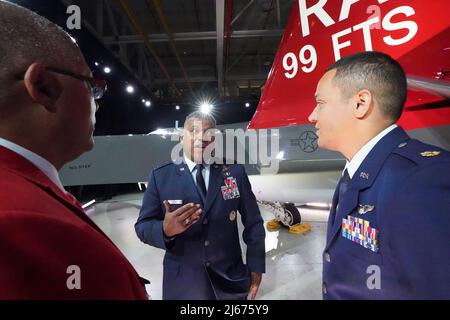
(430, 153)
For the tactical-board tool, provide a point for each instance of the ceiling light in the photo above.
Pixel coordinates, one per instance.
(107, 70)
(206, 108)
(247, 104)
(177, 107)
(148, 104)
(130, 89)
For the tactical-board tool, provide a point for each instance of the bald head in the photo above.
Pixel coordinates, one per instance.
(38, 104)
(27, 38)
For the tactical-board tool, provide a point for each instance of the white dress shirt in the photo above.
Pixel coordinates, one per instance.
(191, 165)
(353, 165)
(46, 167)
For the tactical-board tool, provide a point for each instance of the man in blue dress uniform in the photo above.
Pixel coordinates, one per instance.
(389, 227)
(190, 210)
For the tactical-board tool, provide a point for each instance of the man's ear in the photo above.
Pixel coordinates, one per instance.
(42, 86)
(363, 103)
(180, 136)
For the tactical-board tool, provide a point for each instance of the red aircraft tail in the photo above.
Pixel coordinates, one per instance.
(319, 32)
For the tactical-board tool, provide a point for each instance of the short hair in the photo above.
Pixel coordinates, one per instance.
(26, 38)
(202, 116)
(376, 72)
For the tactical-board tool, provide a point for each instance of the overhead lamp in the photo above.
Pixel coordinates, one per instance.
(130, 89)
(206, 108)
(107, 70)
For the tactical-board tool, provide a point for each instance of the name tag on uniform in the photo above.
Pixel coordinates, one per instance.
(230, 190)
(359, 231)
(175, 201)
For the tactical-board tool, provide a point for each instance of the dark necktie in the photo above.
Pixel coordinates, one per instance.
(201, 186)
(343, 186)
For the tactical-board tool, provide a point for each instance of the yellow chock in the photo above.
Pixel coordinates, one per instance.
(273, 225)
(300, 228)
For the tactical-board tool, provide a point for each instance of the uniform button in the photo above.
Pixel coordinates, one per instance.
(207, 264)
(324, 288)
(206, 243)
(205, 221)
(327, 257)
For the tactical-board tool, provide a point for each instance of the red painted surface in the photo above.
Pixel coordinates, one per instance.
(425, 52)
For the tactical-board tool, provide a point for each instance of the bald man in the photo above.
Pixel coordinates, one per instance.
(50, 249)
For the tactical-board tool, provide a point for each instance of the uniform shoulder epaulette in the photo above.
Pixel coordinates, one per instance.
(165, 164)
(421, 153)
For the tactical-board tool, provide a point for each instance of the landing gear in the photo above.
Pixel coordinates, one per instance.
(292, 214)
(286, 215)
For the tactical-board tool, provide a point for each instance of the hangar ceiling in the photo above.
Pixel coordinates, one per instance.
(191, 49)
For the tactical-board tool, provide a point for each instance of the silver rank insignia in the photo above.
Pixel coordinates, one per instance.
(364, 175)
(430, 153)
(363, 209)
(226, 170)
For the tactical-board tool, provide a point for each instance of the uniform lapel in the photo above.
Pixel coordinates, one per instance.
(332, 216)
(363, 179)
(346, 206)
(186, 180)
(215, 180)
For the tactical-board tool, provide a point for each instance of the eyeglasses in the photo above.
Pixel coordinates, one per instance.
(98, 87)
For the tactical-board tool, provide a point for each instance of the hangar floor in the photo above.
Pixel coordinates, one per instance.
(293, 262)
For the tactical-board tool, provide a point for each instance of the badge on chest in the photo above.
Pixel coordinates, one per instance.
(230, 190)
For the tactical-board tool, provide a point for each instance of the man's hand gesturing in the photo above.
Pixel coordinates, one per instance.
(178, 221)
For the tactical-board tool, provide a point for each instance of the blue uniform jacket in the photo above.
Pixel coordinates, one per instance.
(204, 262)
(402, 192)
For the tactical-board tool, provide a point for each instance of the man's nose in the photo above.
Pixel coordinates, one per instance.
(199, 138)
(313, 116)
